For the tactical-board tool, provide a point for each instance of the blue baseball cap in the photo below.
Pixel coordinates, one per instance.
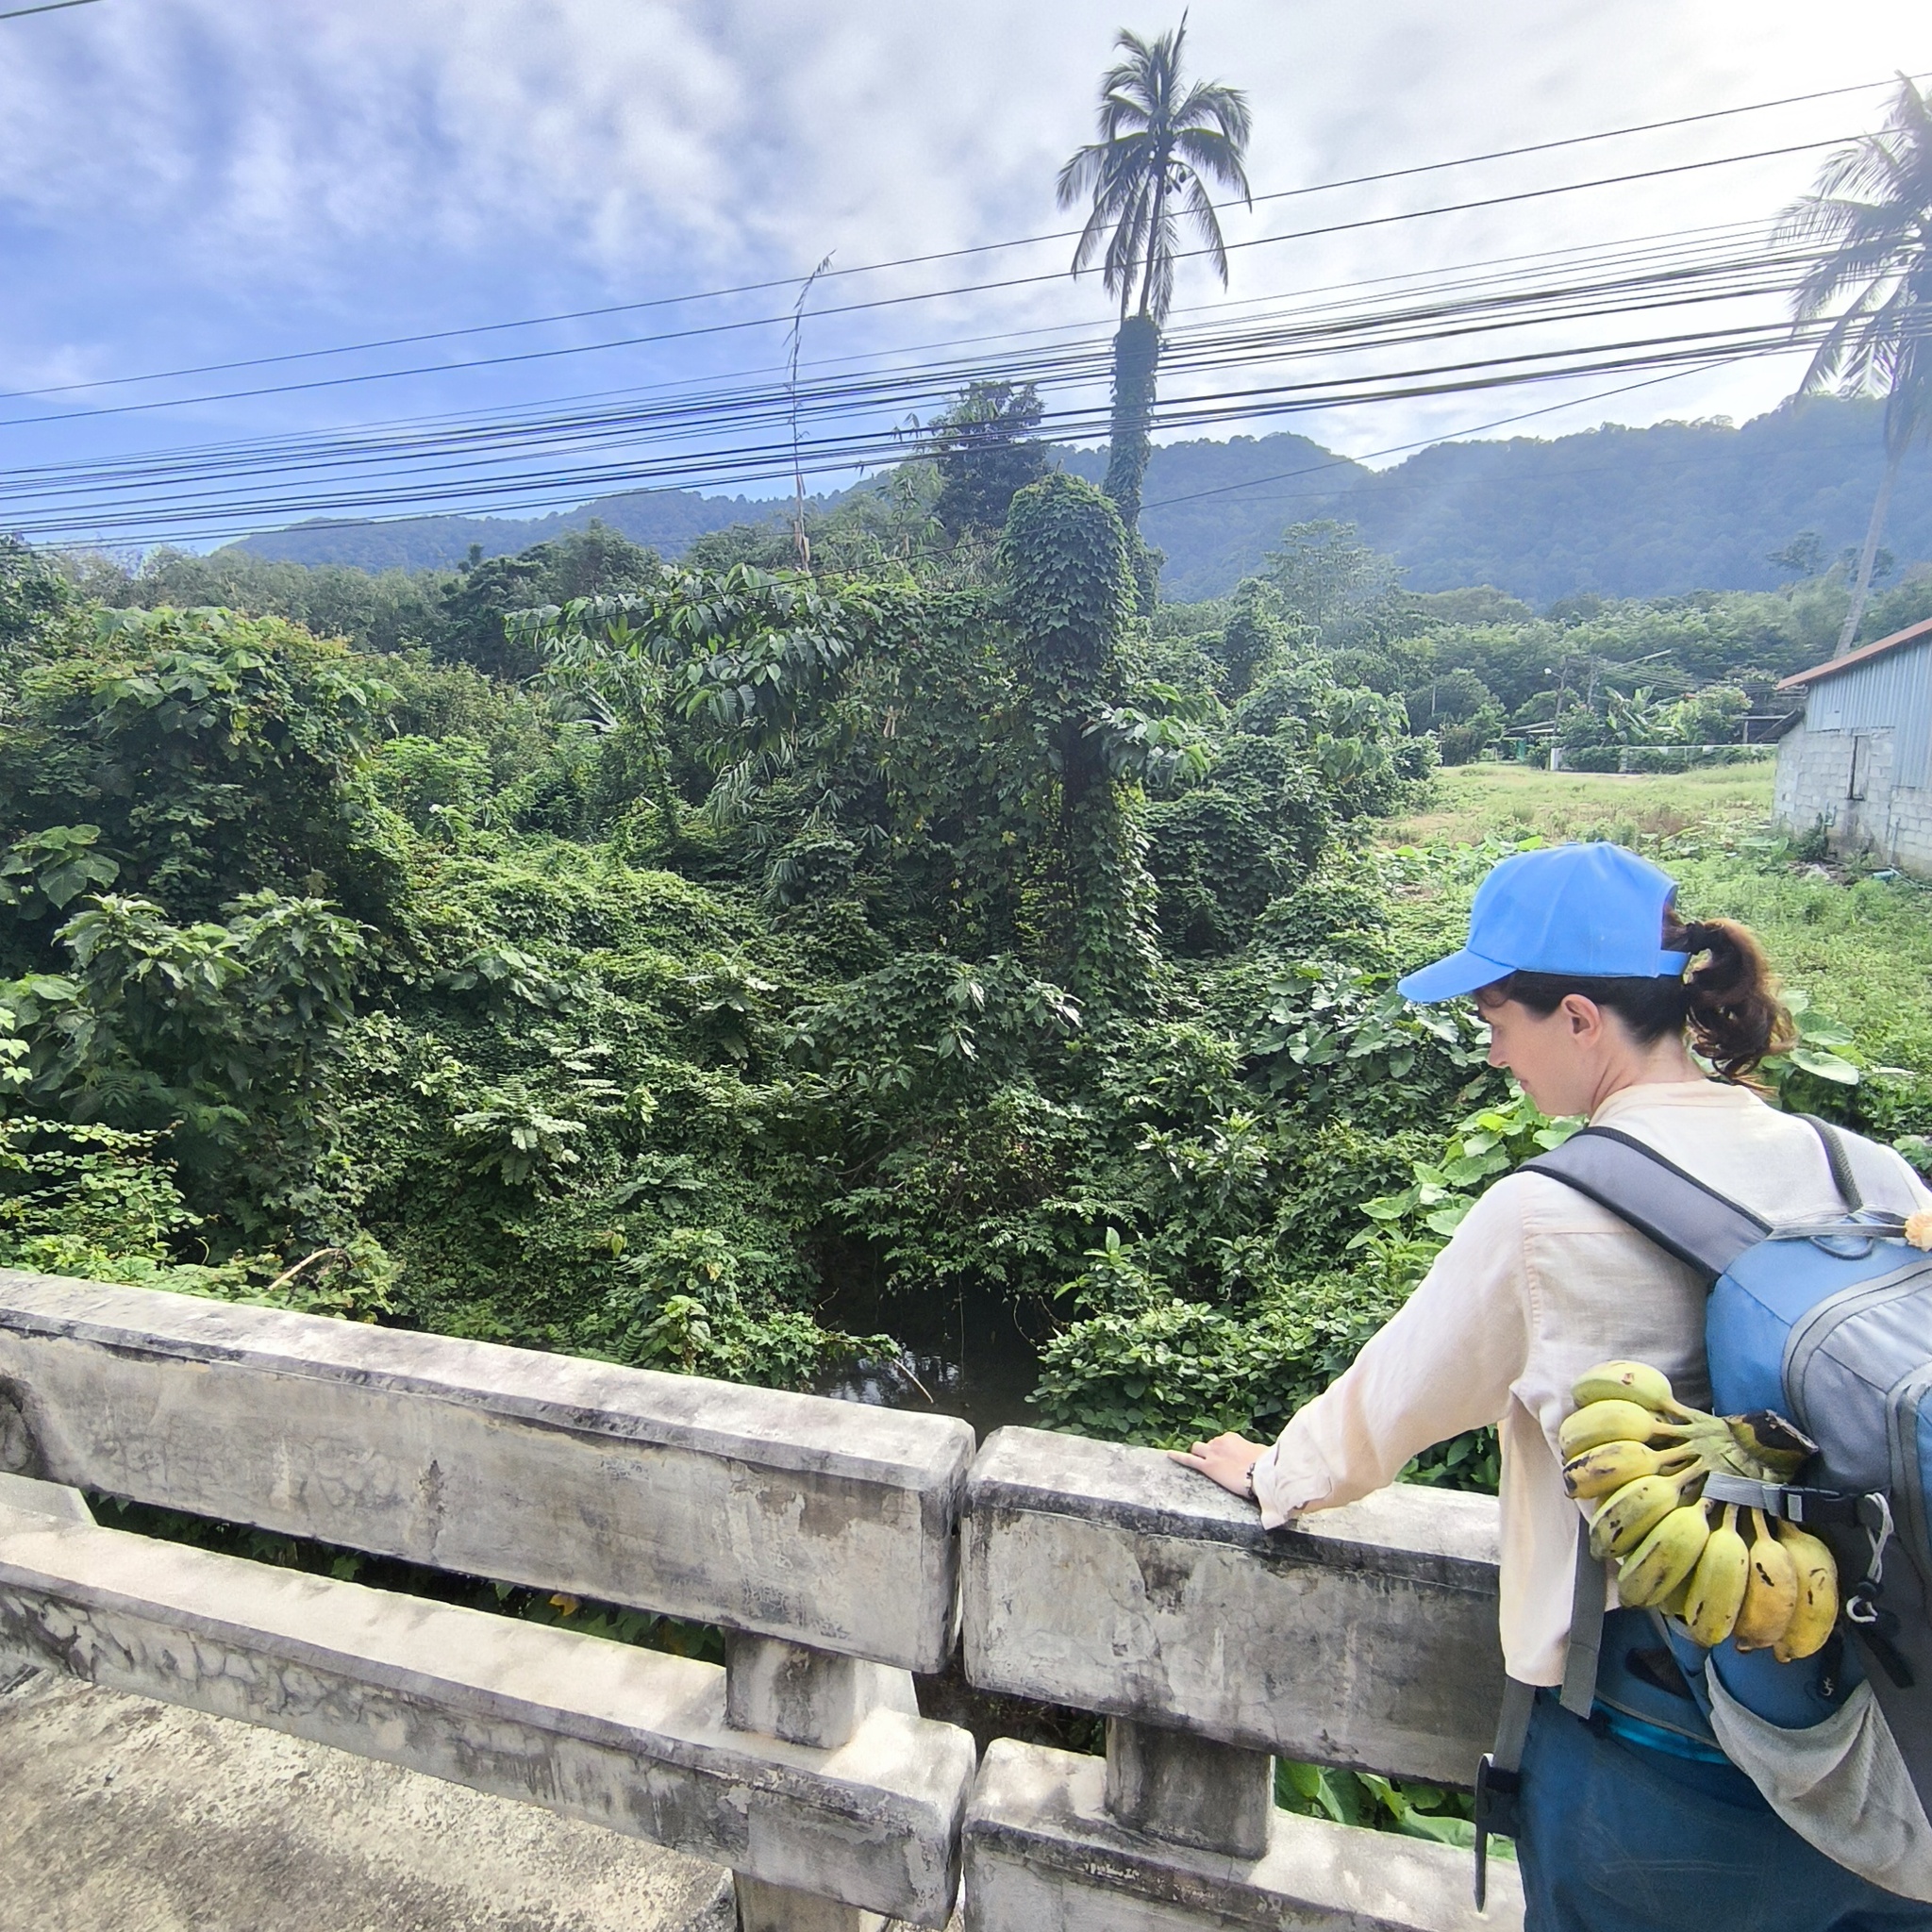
(1594, 911)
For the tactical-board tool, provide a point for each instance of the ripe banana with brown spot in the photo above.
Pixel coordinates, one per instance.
(1603, 1470)
(1771, 1590)
(1718, 1584)
(1610, 1420)
(1622, 1521)
(1651, 1572)
(1621, 1381)
(1817, 1607)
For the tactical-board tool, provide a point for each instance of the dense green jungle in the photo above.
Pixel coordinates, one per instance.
(826, 977)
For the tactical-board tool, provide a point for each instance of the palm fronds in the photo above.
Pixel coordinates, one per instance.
(1160, 143)
(1871, 211)
(1871, 215)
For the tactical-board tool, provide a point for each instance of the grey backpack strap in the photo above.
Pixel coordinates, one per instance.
(1871, 1179)
(1839, 1161)
(1655, 1196)
(1499, 1780)
(1588, 1600)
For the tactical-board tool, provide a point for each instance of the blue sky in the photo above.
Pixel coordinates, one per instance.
(198, 181)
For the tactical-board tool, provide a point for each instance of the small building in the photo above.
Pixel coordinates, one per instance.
(1857, 758)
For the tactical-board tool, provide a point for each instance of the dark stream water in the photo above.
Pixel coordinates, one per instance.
(970, 1354)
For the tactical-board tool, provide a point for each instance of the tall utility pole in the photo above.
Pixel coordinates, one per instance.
(801, 544)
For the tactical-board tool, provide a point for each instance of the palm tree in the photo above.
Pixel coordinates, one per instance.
(1160, 140)
(1872, 209)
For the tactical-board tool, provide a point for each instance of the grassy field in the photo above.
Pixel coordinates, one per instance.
(1477, 801)
(1861, 947)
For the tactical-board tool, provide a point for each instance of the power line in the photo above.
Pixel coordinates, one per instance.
(1397, 449)
(1689, 242)
(921, 260)
(866, 447)
(926, 295)
(844, 451)
(49, 7)
(1672, 282)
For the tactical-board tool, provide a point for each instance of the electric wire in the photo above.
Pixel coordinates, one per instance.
(875, 304)
(845, 450)
(926, 259)
(1733, 278)
(1682, 243)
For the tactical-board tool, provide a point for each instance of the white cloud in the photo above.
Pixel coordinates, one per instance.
(312, 170)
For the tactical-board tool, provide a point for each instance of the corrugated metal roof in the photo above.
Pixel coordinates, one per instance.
(1891, 693)
(1860, 656)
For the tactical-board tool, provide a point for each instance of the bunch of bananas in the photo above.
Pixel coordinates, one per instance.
(1631, 1443)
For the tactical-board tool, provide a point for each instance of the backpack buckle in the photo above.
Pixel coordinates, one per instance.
(1496, 1810)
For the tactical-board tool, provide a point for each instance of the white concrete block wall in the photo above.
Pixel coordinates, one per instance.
(1910, 838)
(1815, 770)
(1891, 823)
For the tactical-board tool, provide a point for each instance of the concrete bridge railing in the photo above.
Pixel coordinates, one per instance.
(1112, 1579)
(834, 1545)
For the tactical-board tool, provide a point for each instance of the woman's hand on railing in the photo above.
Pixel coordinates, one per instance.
(1228, 1461)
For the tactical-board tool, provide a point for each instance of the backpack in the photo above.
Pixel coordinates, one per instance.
(1829, 1324)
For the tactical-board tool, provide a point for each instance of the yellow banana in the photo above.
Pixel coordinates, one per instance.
(1651, 1572)
(1672, 1605)
(1771, 1590)
(1626, 1382)
(1817, 1607)
(1604, 1421)
(1622, 1521)
(1717, 1582)
(1607, 1468)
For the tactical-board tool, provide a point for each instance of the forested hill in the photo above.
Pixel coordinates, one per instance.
(1623, 512)
(666, 520)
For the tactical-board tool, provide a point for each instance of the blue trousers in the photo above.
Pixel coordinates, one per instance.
(1615, 1838)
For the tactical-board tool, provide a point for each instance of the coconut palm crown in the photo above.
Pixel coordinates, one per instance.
(1162, 139)
(1872, 212)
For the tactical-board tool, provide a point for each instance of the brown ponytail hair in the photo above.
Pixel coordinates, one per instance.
(1727, 1004)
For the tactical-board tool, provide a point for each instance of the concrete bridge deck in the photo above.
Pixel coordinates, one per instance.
(125, 1815)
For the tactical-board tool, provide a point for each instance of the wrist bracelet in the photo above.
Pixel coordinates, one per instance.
(1249, 1492)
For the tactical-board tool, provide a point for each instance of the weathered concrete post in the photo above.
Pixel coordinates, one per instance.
(812, 1697)
(1189, 1790)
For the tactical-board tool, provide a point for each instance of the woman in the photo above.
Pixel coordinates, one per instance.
(1578, 963)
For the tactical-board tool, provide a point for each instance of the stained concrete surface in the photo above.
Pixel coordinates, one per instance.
(122, 1815)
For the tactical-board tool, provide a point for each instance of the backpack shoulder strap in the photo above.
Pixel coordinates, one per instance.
(1839, 1158)
(1655, 1196)
(1871, 1179)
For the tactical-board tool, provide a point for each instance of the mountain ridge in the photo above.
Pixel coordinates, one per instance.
(1622, 513)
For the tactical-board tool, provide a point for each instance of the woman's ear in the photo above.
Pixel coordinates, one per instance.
(1586, 1019)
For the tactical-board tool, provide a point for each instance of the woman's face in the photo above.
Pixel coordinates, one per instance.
(1558, 1057)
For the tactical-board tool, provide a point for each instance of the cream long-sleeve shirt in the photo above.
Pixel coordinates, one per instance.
(1537, 1285)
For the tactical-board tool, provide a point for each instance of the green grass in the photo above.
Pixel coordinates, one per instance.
(1476, 802)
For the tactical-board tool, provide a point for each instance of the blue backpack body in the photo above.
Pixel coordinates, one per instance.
(1829, 1324)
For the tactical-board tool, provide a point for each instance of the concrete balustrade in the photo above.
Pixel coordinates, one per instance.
(821, 1536)
(783, 1514)
(1112, 1579)
(827, 1541)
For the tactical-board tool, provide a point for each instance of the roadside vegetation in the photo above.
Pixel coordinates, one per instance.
(649, 960)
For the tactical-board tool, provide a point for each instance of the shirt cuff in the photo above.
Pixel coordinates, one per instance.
(1284, 1493)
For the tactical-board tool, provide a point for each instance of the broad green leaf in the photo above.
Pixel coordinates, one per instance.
(1826, 1066)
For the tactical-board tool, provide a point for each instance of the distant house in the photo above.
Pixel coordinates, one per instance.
(1858, 759)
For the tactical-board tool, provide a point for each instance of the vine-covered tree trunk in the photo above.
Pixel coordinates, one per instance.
(1135, 359)
(1071, 588)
